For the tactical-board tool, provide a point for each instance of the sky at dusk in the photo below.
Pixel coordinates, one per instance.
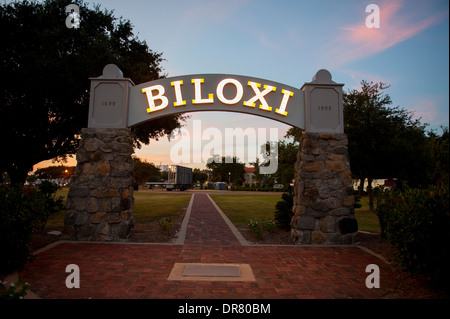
(289, 41)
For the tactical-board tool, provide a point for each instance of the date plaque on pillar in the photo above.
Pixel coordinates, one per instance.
(108, 105)
(323, 104)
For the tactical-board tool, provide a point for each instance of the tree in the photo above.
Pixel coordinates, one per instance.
(45, 70)
(145, 172)
(287, 156)
(294, 132)
(258, 176)
(438, 148)
(285, 153)
(222, 167)
(53, 172)
(384, 142)
(199, 177)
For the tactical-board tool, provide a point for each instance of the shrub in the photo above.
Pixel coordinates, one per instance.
(50, 205)
(22, 211)
(417, 223)
(165, 223)
(283, 213)
(16, 290)
(254, 227)
(268, 225)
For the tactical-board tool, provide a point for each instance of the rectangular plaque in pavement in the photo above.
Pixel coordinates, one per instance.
(211, 271)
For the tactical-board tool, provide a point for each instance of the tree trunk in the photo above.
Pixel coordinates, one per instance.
(361, 187)
(379, 196)
(370, 192)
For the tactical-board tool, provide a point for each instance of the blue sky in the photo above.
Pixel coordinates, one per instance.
(289, 41)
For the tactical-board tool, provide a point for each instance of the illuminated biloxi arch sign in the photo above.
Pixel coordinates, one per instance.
(117, 103)
(217, 92)
(100, 199)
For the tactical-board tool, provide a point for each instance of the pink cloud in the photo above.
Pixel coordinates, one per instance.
(358, 41)
(428, 111)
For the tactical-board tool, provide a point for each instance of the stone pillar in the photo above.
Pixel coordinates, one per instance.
(323, 192)
(100, 200)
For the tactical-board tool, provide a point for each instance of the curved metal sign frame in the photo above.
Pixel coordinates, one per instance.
(117, 103)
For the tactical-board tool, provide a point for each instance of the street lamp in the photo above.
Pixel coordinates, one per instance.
(229, 178)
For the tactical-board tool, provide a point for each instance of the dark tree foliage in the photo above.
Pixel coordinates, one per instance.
(45, 69)
(384, 141)
(53, 172)
(145, 172)
(198, 176)
(226, 169)
(283, 213)
(285, 154)
(438, 149)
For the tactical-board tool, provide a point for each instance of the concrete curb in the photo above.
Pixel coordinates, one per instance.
(182, 234)
(367, 250)
(233, 229)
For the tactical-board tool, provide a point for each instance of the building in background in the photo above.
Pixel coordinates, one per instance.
(249, 175)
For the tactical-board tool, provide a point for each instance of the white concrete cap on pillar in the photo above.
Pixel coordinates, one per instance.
(322, 76)
(323, 104)
(112, 71)
(108, 106)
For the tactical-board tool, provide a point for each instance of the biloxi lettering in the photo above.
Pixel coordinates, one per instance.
(157, 93)
(216, 92)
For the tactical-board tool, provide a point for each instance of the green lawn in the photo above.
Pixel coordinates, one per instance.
(365, 203)
(367, 220)
(57, 221)
(240, 208)
(150, 207)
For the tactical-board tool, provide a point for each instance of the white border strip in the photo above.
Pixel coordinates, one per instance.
(182, 234)
(233, 229)
(367, 250)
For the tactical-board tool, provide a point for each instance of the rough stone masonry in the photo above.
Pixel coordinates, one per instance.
(323, 193)
(100, 200)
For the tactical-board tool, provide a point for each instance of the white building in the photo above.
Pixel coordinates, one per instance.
(249, 175)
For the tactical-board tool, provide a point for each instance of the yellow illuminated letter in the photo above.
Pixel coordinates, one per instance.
(239, 91)
(151, 98)
(198, 93)
(260, 96)
(177, 86)
(286, 95)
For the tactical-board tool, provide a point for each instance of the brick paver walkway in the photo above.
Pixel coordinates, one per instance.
(136, 270)
(206, 226)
